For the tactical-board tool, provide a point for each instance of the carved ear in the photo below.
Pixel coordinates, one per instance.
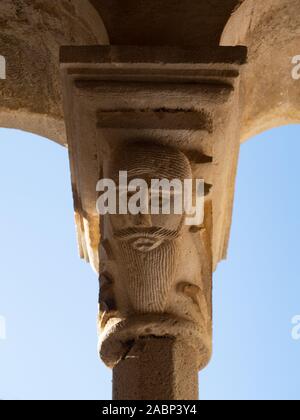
(198, 158)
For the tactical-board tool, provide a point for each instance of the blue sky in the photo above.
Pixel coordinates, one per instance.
(48, 296)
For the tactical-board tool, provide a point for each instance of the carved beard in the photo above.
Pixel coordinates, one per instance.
(149, 275)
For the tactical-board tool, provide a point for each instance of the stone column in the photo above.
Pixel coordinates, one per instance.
(157, 369)
(165, 113)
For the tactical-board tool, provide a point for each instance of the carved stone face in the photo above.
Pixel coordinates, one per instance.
(157, 276)
(148, 244)
(146, 232)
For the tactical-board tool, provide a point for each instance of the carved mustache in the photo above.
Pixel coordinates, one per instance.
(147, 233)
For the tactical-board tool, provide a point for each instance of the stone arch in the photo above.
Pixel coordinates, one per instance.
(270, 31)
(32, 33)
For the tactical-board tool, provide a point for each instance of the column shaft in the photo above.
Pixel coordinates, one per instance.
(157, 369)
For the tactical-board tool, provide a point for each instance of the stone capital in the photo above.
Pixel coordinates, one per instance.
(165, 112)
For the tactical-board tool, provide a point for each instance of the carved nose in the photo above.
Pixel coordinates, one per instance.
(142, 220)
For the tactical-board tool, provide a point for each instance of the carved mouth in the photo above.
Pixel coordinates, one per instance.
(146, 244)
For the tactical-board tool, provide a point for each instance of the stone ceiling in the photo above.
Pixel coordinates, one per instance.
(167, 22)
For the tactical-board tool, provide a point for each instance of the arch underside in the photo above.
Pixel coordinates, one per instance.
(270, 30)
(33, 31)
